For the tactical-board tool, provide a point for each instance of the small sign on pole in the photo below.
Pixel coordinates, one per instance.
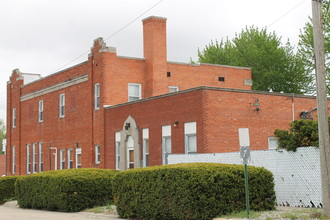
(244, 142)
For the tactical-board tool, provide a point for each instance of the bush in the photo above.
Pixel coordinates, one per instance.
(7, 188)
(65, 190)
(302, 133)
(190, 191)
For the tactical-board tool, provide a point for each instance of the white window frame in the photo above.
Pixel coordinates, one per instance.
(190, 129)
(62, 105)
(176, 88)
(132, 97)
(166, 138)
(78, 152)
(62, 159)
(145, 145)
(70, 162)
(117, 144)
(34, 158)
(13, 162)
(14, 117)
(41, 161)
(28, 159)
(270, 143)
(97, 154)
(97, 94)
(41, 111)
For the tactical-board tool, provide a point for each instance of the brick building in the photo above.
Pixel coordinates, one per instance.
(198, 120)
(57, 121)
(122, 112)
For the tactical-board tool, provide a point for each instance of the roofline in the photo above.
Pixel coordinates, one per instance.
(214, 89)
(61, 71)
(220, 65)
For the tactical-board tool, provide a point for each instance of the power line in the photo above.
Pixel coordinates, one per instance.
(149, 9)
(288, 12)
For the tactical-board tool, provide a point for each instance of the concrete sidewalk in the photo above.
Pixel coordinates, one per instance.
(10, 211)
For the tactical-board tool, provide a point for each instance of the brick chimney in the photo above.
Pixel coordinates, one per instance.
(154, 45)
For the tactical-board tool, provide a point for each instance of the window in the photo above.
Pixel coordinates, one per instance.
(97, 154)
(14, 118)
(34, 158)
(13, 162)
(41, 161)
(173, 89)
(41, 111)
(97, 96)
(190, 137)
(117, 142)
(145, 137)
(134, 92)
(272, 143)
(62, 159)
(166, 142)
(78, 157)
(28, 159)
(62, 105)
(70, 158)
(221, 79)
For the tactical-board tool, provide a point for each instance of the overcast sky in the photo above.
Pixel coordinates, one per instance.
(42, 36)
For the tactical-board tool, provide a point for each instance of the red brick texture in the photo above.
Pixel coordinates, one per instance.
(2, 164)
(218, 113)
(84, 126)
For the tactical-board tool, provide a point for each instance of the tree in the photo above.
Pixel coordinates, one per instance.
(2, 134)
(300, 134)
(274, 67)
(306, 47)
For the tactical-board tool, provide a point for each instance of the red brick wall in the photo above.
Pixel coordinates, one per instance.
(83, 124)
(154, 114)
(218, 114)
(2, 164)
(225, 112)
(189, 76)
(62, 133)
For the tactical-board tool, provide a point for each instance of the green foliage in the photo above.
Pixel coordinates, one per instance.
(7, 188)
(306, 47)
(301, 133)
(2, 134)
(274, 67)
(65, 190)
(190, 191)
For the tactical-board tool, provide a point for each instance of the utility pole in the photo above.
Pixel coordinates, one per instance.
(322, 105)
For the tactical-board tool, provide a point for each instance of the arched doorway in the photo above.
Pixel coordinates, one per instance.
(129, 145)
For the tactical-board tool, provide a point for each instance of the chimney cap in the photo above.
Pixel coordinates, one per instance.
(154, 17)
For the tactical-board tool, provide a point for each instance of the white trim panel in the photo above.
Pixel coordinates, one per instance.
(56, 87)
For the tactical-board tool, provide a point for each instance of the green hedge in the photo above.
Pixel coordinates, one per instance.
(65, 190)
(7, 188)
(190, 191)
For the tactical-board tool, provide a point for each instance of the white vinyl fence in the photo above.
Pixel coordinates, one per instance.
(297, 174)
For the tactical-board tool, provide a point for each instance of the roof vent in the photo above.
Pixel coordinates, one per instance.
(221, 79)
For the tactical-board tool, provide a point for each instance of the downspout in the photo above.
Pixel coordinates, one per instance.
(92, 105)
(292, 106)
(18, 149)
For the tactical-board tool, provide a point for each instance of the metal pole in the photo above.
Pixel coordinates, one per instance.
(322, 105)
(246, 177)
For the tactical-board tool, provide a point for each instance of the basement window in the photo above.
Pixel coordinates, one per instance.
(221, 79)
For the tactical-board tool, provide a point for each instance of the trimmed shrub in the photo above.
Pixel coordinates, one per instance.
(190, 191)
(65, 190)
(7, 188)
